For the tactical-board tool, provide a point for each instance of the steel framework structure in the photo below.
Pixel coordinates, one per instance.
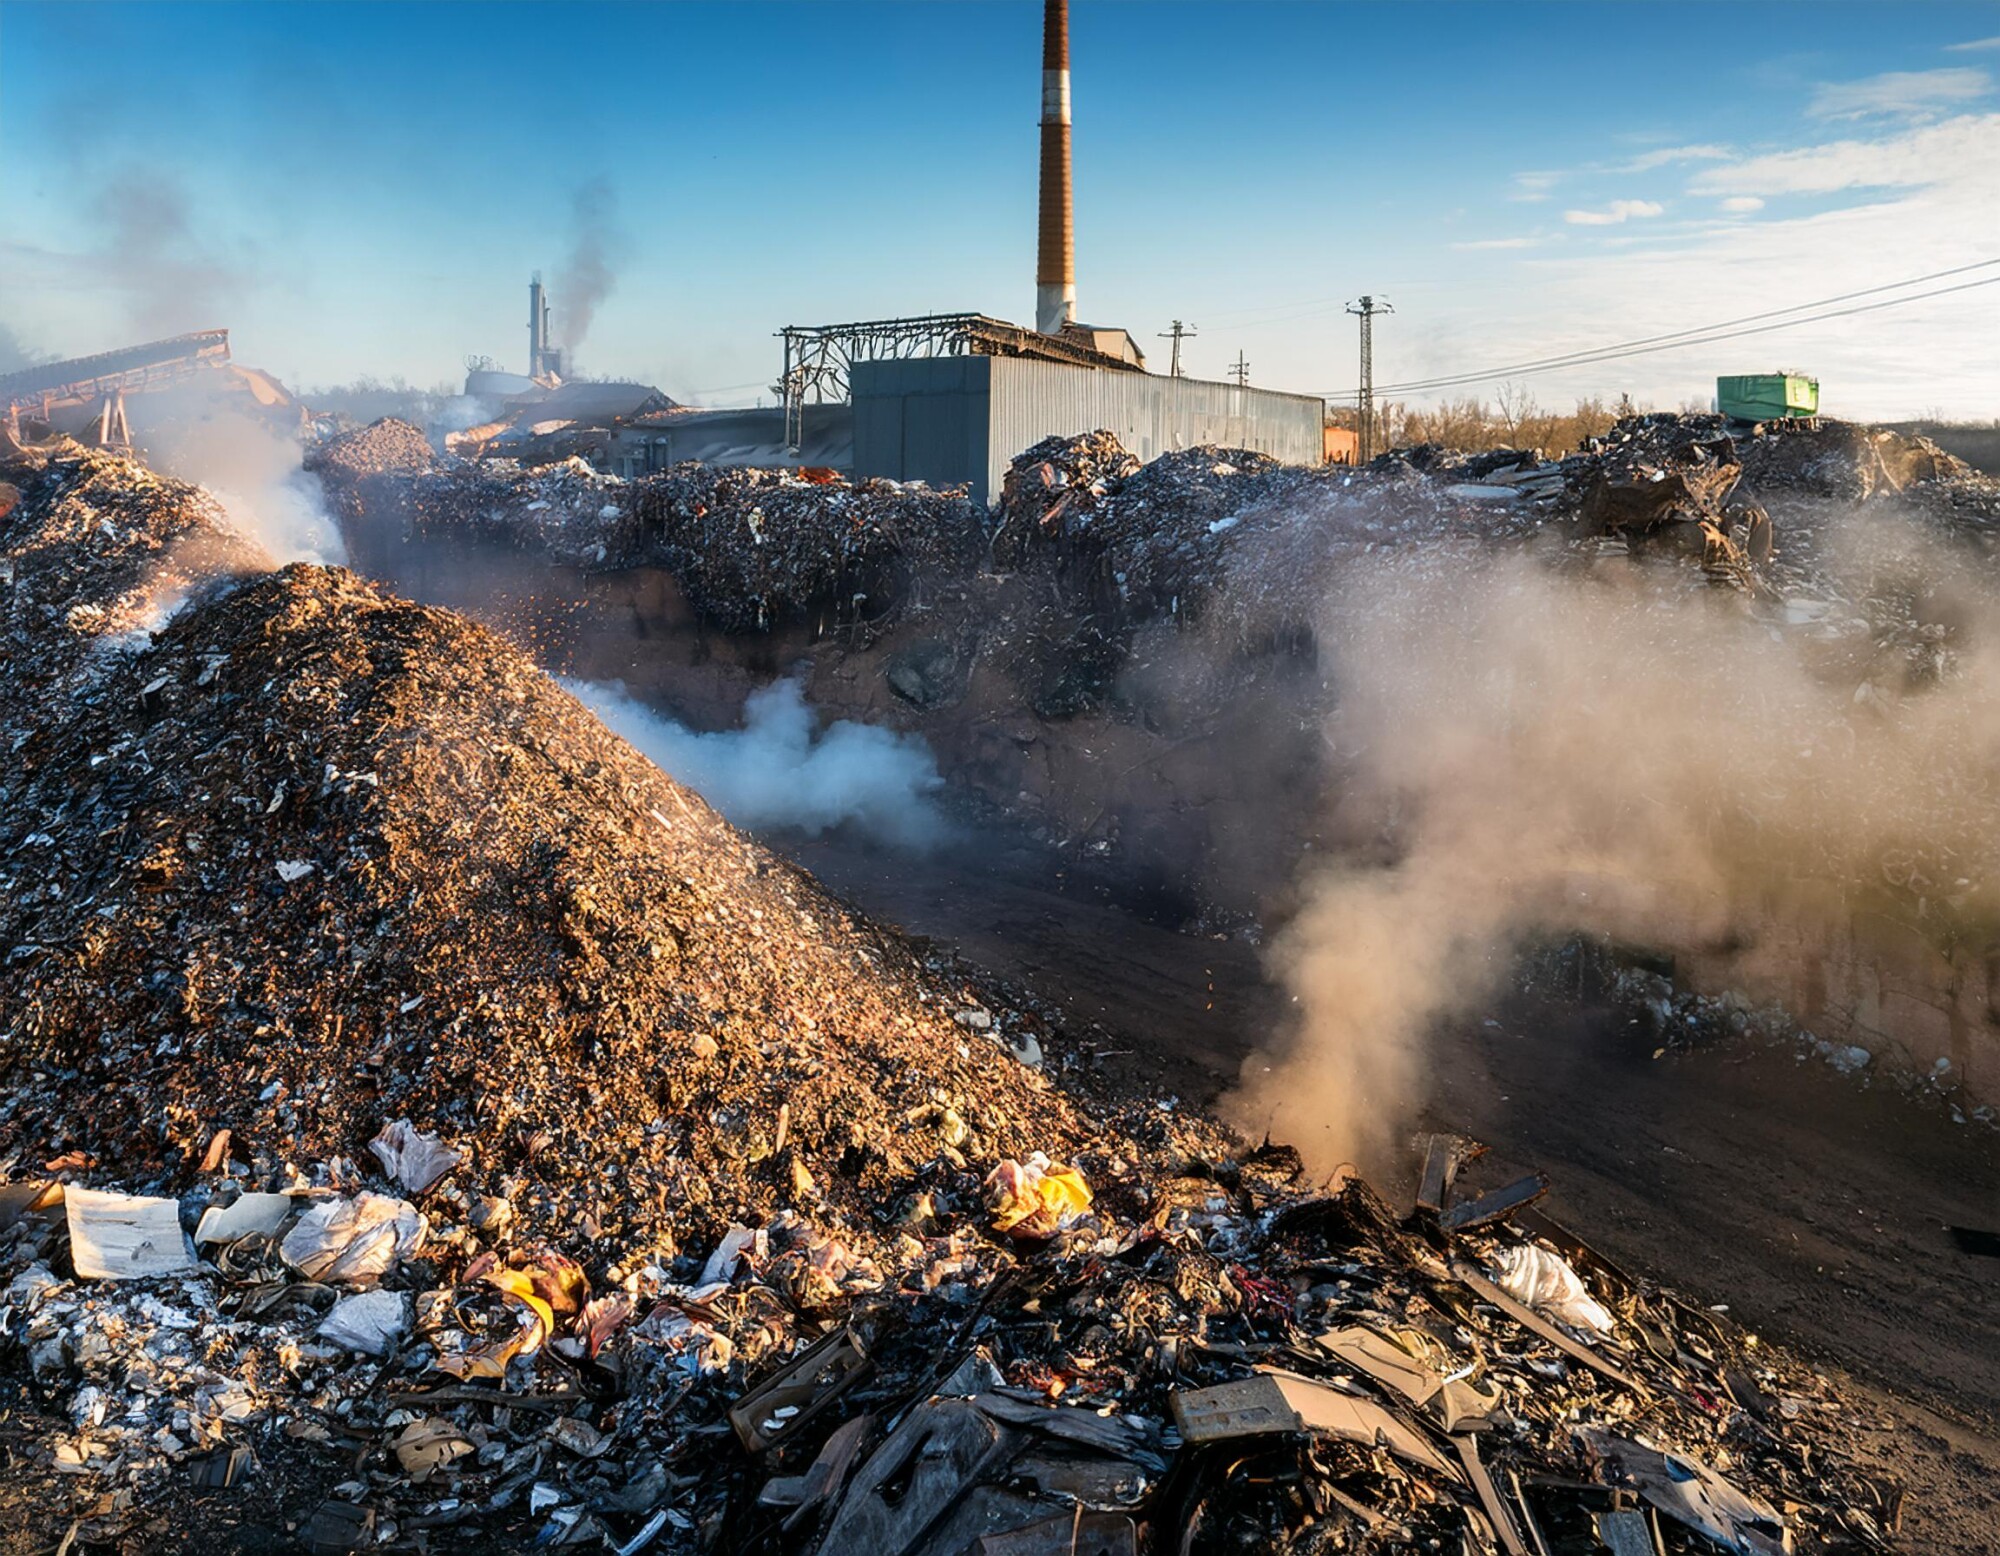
(818, 356)
(85, 380)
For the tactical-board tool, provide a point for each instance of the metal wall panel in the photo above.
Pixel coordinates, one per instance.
(950, 419)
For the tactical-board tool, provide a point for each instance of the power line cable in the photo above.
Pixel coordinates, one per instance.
(1629, 347)
(1705, 335)
(1282, 313)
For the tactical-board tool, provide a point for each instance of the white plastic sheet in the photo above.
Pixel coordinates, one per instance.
(1546, 1283)
(355, 1240)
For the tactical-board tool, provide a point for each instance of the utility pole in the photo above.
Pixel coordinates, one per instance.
(1177, 334)
(1365, 310)
(1240, 371)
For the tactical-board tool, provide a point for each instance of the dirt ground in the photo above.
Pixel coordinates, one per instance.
(1814, 1206)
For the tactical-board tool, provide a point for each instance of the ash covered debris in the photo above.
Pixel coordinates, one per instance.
(527, 1128)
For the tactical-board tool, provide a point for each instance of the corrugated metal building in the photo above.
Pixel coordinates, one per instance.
(951, 419)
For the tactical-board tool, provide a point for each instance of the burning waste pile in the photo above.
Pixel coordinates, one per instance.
(428, 1127)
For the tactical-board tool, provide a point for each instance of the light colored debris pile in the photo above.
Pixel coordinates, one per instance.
(385, 447)
(98, 549)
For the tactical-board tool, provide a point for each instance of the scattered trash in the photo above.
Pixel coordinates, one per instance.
(1035, 1198)
(426, 1446)
(249, 1215)
(125, 1236)
(1546, 1283)
(353, 1240)
(414, 1161)
(1695, 1495)
(371, 1322)
(1275, 1402)
(221, 1469)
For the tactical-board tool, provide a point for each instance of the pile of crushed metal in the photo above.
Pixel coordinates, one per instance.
(753, 549)
(427, 1127)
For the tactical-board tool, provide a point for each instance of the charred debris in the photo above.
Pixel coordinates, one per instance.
(428, 1127)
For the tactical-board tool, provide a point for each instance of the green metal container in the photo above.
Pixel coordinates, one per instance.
(1767, 396)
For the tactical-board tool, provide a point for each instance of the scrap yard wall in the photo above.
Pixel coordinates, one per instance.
(950, 419)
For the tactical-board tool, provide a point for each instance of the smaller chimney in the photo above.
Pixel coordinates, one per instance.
(538, 326)
(1055, 263)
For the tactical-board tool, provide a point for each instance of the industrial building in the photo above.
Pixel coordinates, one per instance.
(945, 398)
(947, 420)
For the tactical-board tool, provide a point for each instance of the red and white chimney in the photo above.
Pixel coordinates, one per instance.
(1055, 263)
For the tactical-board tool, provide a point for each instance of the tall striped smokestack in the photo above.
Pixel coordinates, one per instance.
(1055, 261)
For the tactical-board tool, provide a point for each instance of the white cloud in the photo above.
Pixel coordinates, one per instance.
(1666, 156)
(1616, 212)
(1931, 193)
(1975, 45)
(1742, 203)
(1936, 153)
(1904, 93)
(1501, 243)
(1533, 186)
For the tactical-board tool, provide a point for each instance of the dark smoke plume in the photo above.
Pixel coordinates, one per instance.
(152, 251)
(587, 275)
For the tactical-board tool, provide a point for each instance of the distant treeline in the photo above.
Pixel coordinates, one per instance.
(1516, 420)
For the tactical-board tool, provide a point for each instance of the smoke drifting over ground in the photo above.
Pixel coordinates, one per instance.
(781, 770)
(254, 472)
(587, 276)
(1530, 751)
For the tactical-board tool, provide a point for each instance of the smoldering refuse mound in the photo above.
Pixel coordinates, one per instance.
(310, 859)
(314, 857)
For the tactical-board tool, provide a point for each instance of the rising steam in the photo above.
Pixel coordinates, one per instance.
(1532, 751)
(781, 770)
(587, 276)
(253, 471)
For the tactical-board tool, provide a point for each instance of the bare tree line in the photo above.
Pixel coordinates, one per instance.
(1514, 419)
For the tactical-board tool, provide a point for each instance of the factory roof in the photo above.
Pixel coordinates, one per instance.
(599, 402)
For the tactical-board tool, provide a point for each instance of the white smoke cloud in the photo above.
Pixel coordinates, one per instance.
(253, 471)
(782, 770)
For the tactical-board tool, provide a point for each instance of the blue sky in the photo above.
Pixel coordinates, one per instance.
(364, 189)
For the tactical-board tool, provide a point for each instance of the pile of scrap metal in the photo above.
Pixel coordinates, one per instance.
(1842, 459)
(86, 397)
(752, 548)
(1662, 482)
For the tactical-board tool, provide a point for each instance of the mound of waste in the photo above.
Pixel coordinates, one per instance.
(428, 1127)
(311, 855)
(97, 549)
(752, 549)
(386, 447)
